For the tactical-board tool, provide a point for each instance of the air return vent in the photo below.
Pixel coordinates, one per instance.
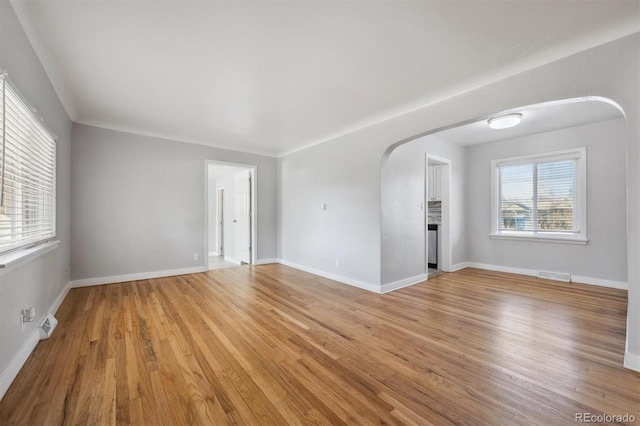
(558, 276)
(47, 327)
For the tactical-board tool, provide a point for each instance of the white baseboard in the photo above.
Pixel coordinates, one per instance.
(386, 288)
(266, 261)
(380, 289)
(135, 277)
(631, 361)
(9, 375)
(600, 282)
(533, 273)
(213, 253)
(458, 266)
(60, 299)
(507, 269)
(339, 278)
(232, 260)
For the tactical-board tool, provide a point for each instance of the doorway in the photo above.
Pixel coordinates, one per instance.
(230, 220)
(437, 217)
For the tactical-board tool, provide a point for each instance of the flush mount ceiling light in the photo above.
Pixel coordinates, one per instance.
(505, 121)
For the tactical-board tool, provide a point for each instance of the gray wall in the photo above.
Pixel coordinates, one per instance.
(605, 256)
(40, 282)
(403, 222)
(346, 178)
(138, 202)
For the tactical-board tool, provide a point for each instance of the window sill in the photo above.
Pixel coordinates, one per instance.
(540, 238)
(20, 257)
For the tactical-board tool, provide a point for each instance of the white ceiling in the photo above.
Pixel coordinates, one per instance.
(275, 76)
(535, 119)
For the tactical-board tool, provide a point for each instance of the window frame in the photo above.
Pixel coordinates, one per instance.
(26, 248)
(580, 237)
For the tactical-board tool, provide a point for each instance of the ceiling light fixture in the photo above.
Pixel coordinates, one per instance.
(505, 121)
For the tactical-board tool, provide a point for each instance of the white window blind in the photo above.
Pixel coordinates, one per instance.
(542, 195)
(27, 174)
(539, 197)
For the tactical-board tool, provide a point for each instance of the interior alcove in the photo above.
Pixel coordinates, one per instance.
(466, 148)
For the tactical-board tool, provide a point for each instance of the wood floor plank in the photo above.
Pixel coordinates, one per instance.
(258, 345)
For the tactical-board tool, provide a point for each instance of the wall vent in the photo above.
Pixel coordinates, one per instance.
(558, 276)
(47, 327)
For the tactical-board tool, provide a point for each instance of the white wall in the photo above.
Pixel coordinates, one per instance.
(403, 221)
(605, 256)
(41, 282)
(138, 203)
(345, 172)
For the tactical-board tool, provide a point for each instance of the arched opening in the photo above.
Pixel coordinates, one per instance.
(464, 152)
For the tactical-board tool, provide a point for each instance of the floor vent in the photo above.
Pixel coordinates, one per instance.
(47, 327)
(558, 276)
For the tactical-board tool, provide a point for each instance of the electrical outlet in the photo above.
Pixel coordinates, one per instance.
(27, 315)
(196, 257)
(337, 263)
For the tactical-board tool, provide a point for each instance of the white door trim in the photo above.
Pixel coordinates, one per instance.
(254, 203)
(220, 220)
(444, 237)
(242, 219)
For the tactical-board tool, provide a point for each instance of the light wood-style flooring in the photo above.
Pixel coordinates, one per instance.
(259, 345)
(217, 262)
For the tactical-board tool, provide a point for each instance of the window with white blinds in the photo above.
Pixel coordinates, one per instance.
(542, 196)
(27, 174)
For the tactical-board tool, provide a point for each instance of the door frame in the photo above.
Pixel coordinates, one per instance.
(444, 239)
(220, 220)
(240, 183)
(254, 207)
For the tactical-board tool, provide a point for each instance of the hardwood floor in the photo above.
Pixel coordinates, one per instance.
(273, 345)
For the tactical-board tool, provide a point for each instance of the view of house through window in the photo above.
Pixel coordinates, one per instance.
(27, 174)
(538, 197)
(541, 194)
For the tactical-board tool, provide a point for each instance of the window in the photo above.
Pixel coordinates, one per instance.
(540, 197)
(27, 174)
